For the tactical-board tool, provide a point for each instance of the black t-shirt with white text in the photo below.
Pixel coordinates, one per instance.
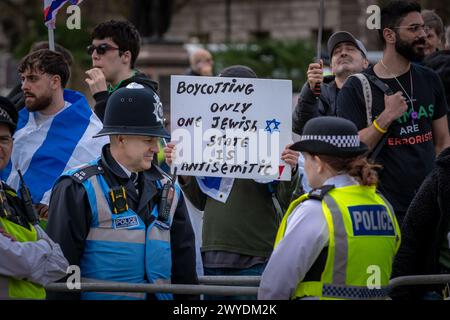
(408, 153)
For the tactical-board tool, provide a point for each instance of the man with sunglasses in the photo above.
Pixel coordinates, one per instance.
(114, 50)
(411, 124)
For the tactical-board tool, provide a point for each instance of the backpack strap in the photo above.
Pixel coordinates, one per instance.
(365, 78)
(367, 91)
(379, 84)
(387, 91)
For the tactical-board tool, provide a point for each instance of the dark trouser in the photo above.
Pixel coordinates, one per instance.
(255, 270)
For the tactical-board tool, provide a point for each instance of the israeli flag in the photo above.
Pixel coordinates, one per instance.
(216, 187)
(46, 146)
(220, 188)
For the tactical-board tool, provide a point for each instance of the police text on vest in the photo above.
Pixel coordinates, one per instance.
(371, 220)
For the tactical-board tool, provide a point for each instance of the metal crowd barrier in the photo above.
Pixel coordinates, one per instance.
(230, 280)
(160, 288)
(220, 285)
(420, 280)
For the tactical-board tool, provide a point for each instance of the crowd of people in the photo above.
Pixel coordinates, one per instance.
(92, 187)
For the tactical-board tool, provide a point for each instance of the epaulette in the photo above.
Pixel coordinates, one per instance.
(319, 193)
(85, 173)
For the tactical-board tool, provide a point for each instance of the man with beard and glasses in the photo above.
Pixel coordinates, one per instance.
(55, 129)
(411, 124)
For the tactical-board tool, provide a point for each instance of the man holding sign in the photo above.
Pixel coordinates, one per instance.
(241, 216)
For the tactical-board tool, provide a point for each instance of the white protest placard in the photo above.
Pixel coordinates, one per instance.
(231, 127)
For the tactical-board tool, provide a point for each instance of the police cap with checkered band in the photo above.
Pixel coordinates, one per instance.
(330, 136)
(134, 110)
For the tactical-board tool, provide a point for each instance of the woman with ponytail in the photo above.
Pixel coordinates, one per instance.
(339, 240)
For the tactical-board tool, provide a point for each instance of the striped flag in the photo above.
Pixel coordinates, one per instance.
(51, 8)
(45, 147)
(216, 187)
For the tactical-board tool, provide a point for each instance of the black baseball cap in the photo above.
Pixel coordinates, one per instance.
(344, 36)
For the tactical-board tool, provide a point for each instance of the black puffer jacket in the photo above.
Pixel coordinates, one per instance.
(309, 107)
(102, 97)
(16, 97)
(424, 229)
(439, 61)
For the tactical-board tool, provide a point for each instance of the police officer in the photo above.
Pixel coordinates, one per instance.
(29, 259)
(120, 217)
(338, 241)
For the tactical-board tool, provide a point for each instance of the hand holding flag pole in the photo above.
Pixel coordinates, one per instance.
(316, 89)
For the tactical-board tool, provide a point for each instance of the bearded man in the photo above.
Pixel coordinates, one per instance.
(411, 123)
(55, 129)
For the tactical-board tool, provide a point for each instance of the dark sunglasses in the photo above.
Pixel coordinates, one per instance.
(101, 49)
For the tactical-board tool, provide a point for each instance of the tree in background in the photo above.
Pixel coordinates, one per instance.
(270, 59)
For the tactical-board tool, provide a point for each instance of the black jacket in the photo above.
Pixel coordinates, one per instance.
(309, 107)
(16, 97)
(191, 72)
(70, 218)
(15, 206)
(439, 61)
(424, 229)
(102, 97)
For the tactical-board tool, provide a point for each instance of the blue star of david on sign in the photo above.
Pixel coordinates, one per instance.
(272, 125)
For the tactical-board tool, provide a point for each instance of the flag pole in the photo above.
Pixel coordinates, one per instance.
(51, 39)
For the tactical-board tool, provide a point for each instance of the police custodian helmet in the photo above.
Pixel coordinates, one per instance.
(134, 110)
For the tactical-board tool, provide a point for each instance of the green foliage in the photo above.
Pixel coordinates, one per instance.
(270, 59)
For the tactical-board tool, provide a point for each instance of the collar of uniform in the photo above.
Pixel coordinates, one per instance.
(152, 174)
(128, 172)
(342, 180)
(112, 165)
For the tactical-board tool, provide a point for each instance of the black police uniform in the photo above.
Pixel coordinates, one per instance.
(133, 110)
(70, 218)
(15, 207)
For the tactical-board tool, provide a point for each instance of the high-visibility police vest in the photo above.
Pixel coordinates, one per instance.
(119, 247)
(12, 288)
(363, 239)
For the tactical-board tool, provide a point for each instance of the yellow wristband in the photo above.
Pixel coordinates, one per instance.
(379, 129)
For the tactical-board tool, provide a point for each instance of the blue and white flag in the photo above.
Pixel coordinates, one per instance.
(216, 187)
(219, 188)
(51, 8)
(46, 146)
